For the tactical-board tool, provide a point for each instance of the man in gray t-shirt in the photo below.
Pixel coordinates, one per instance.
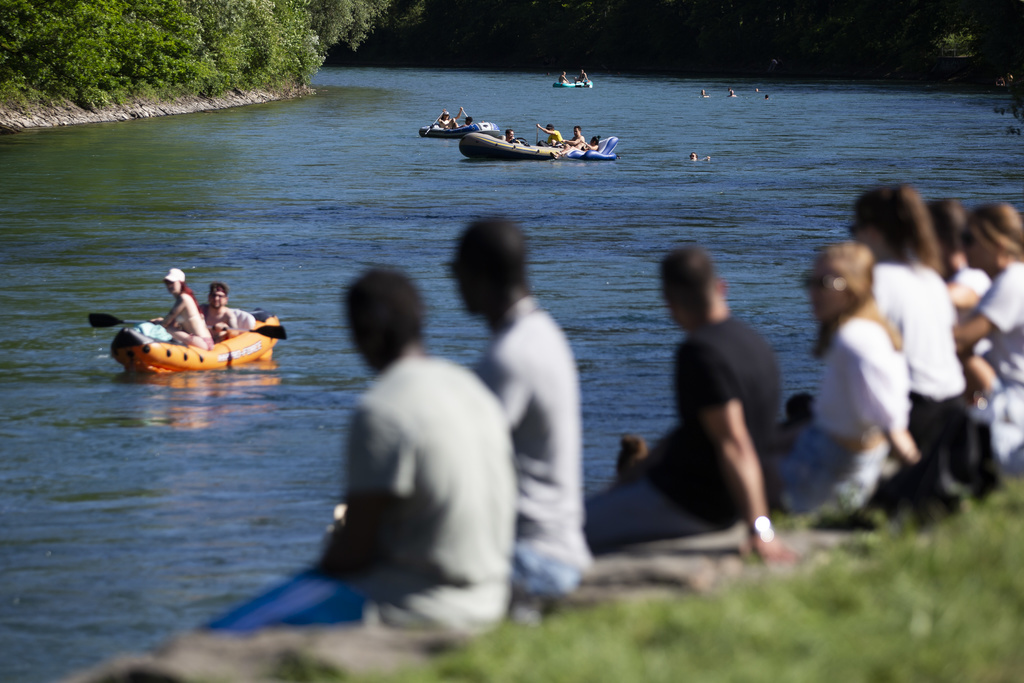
(431, 490)
(531, 369)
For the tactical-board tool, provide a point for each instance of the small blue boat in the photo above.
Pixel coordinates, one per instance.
(581, 84)
(436, 131)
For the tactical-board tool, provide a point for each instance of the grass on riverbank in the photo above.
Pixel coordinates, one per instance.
(942, 605)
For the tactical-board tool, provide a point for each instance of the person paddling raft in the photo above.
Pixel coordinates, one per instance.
(562, 78)
(447, 121)
(184, 322)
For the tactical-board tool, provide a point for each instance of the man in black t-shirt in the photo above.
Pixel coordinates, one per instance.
(705, 474)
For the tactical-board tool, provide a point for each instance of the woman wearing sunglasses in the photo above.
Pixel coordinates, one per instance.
(994, 242)
(862, 407)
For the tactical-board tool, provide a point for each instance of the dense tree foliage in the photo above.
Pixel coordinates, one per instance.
(96, 51)
(879, 37)
(857, 37)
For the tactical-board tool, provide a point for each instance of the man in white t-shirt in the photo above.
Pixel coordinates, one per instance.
(531, 368)
(427, 538)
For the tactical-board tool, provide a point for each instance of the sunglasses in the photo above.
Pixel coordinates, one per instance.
(834, 283)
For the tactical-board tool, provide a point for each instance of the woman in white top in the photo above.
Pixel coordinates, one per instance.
(966, 285)
(184, 322)
(994, 242)
(862, 407)
(895, 224)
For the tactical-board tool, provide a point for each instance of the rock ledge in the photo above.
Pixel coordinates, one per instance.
(640, 572)
(16, 117)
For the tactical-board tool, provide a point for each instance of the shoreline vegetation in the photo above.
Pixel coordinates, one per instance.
(110, 55)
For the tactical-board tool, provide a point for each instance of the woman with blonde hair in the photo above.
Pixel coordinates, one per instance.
(862, 407)
(994, 242)
(895, 224)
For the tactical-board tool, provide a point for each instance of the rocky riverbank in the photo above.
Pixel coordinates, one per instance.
(16, 117)
(664, 569)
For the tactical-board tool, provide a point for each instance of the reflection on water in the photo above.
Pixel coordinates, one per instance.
(198, 400)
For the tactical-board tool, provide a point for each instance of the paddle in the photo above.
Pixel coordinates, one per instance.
(107, 320)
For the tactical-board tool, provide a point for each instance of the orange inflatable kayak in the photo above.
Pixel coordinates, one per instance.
(136, 351)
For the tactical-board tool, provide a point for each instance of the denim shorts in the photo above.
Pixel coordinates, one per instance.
(1004, 414)
(540, 575)
(819, 472)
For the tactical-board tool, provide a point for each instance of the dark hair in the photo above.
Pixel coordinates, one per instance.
(385, 309)
(949, 219)
(900, 215)
(215, 285)
(687, 276)
(508, 130)
(551, 125)
(469, 120)
(495, 249)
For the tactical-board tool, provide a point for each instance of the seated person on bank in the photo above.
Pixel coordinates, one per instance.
(706, 474)
(530, 367)
(861, 412)
(427, 538)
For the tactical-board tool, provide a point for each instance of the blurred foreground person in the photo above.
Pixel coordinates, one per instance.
(966, 285)
(863, 405)
(431, 494)
(530, 367)
(895, 224)
(994, 242)
(706, 474)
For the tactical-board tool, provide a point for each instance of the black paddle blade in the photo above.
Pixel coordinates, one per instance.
(272, 331)
(104, 320)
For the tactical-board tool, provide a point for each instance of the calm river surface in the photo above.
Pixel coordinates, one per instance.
(134, 507)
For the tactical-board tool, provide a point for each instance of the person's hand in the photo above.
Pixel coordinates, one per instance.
(903, 446)
(772, 552)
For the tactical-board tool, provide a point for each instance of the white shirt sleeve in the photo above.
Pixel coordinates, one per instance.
(1003, 304)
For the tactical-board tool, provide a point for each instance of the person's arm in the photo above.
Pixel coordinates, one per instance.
(354, 545)
(903, 446)
(727, 430)
(971, 332)
(173, 314)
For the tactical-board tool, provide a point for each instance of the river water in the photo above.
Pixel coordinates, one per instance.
(135, 507)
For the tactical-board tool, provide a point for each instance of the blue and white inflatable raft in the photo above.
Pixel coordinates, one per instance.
(436, 131)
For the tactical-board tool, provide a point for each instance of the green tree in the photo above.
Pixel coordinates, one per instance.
(345, 21)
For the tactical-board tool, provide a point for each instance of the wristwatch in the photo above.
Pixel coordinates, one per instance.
(762, 528)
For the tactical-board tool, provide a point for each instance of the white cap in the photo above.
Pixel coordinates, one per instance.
(174, 275)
